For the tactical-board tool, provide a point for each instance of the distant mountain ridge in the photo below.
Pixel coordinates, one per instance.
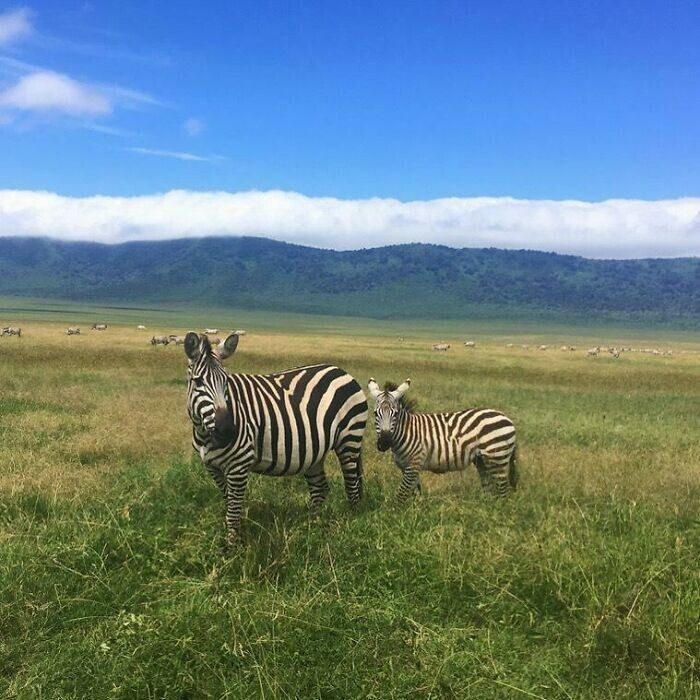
(404, 281)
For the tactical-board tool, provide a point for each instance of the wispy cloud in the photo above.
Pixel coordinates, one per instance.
(613, 228)
(193, 126)
(178, 155)
(15, 25)
(46, 91)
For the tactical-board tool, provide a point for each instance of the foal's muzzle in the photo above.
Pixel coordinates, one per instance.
(384, 441)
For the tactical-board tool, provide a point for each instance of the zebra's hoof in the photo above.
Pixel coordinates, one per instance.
(232, 539)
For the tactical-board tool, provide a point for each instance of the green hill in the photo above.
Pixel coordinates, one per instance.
(406, 281)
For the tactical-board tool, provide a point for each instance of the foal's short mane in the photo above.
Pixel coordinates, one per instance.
(409, 405)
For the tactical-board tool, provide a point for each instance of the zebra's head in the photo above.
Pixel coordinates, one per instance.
(387, 408)
(209, 403)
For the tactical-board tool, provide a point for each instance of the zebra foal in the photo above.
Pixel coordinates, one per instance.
(277, 424)
(443, 442)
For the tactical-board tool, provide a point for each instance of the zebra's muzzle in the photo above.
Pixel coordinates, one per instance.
(384, 441)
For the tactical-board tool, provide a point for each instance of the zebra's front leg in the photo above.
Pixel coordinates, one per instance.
(236, 483)
(410, 483)
(218, 475)
(418, 489)
(318, 488)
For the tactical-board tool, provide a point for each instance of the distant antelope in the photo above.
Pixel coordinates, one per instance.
(99, 327)
(469, 344)
(543, 347)
(11, 330)
(177, 339)
(509, 345)
(140, 328)
(593, 352)
(240, 332)
(72, 330)
(441, 347)
(211, 331)
(160, 340)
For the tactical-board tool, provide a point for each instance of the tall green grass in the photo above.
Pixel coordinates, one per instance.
(584, 584)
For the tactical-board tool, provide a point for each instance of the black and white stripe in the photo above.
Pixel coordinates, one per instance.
(443, 442)
(277, 424)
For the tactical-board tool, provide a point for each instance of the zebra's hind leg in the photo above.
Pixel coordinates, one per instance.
(482, 471)
(495, 476)
(318, 487)
(351, 465)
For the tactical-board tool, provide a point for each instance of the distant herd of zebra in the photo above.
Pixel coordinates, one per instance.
(287, 422)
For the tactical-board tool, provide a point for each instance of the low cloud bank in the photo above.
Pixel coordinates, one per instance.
(621, 228)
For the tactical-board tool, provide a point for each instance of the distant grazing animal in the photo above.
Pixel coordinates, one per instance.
(469, 344)
(240, 332)
(525, 347)
(72, 330)
(11, 330)
(400, 339)
(278, 424)
(543, 347)
(565, 348)
(509, 345)
(615, 353)
(140, 328)
(211, 331)
(160, 340)
(177, 339)
(441, 347)
(593, 352)
(443, 442)
(99, 327)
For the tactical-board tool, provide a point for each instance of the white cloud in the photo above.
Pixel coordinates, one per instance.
(179, 155)
(15, 25)
(46, 91)
(193, 126)
(614, 228)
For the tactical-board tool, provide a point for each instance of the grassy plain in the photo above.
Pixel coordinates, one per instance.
(585, 584)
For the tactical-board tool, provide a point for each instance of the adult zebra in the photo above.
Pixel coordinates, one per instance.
(278, 424)
(442, 442)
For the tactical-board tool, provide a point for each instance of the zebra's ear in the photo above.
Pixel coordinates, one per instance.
(192, 348)
(398, 393)
(229, 346)
(373, 388)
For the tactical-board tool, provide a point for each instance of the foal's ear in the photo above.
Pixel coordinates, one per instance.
(398, 393)
(373, 388)
(192, 346)
(229, 346)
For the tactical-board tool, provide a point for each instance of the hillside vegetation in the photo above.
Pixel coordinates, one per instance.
(407, 281)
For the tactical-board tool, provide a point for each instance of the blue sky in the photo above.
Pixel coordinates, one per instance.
(412, 100)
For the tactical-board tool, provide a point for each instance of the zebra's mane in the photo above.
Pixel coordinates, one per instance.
(407, 404)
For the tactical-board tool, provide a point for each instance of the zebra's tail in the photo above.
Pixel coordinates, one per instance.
(513, 475)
